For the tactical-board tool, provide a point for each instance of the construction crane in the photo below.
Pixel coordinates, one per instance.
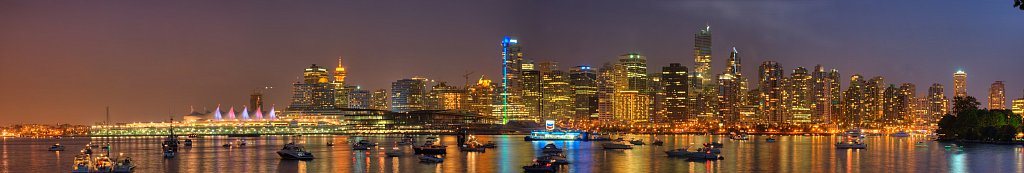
(466, 76)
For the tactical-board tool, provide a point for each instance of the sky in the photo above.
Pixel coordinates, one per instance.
(65, 61)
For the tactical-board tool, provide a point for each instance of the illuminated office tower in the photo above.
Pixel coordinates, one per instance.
(674, 80)
(854, 108)
(874, 92)
(447, 97)
(606, 87)
(798, 96)
(340, 90)
(481, 96)
(407, 95)
(379, 99)
(835, 89)
(635, 69)
(657, 93)
(907, 97)
(631, 85)
(959, 84)
(771, 86)
(584, 89)
(359, 98)
(1018, 106)
(314, 93)
(734, 68)
(530, 81)
(557, 95)
(997, 96)
(820, 95)
(512, 58)
(702, 55)
(728, 99)
(631, 106)
(938, 104)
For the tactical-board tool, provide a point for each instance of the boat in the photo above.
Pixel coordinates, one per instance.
(294, 152)
(556, 136)
(770, 139)
(616, 146)
(658, 142)
(706, 153)
(87, 150)
(241, 142)
(82, 164)
(900, 134)
(358, 146)
(680, 152)
(637, 142)
(551, 148)
(490, 144)
(851, 144)
(554, 158)
(124, 166)
(715, 144)
(228, 145)
(103, 164)
(430, 159)
(429, 148)
(188, 142)
(90, 145)
(56, 147)
(408, 140)
(330, 144)
(856, 133)
(394, 152)
(738, 136)
(169, 153)
(472, 148)
(366, 143)
(106, 146)
(540, 167)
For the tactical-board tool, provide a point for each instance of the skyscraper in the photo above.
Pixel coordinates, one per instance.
(674, 79)
(512, 57)
(530, 81)
(481, 97)
(632, 96)
(798, 96)
(821, 95)
(960, 84)
(635, 69)
(314, 93)
(379, 99)
(702, 55)
(938, 104)
(874, 93)
(606, 87)
(557, 95)
(359, 98)
(584, 88)
(854, 107)
(340, 90)
(891, 105)
(728, 99)
(835, 90)
(407, 95)
(446, 97)
(771, 86)
(907, 98)
(734, 67)
(997, 96)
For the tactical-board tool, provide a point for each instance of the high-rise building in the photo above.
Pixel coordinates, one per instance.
(907, 98)
(734, 67)
(798, 96)
(314, 93)
(771, 94)
(631, 106)
(584, 89)
(631, 85)
(891, 106)
(635, 69)
(821, 95)
(446, 97)
(530, 81)
(557, 95)
(874, 94)
(960, 84)
(256, 100)
(340, 90)
(1018, 106)
(938, 104)
(512, 58)
(359, 98)
(854, 107)
(674, 79)
(657, 95)
(728, 99)
(407, 95)
(481, 97)
(606, 87)
(836, 95)
(997, 96)
(702, 55)
(379, 99)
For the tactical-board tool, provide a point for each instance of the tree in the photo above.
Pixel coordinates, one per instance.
(1018, 4)
(961, 104)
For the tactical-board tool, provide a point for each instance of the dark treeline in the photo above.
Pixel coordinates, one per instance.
(970, 123)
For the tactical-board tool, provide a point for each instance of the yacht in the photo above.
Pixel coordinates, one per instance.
(637, 142)
(704, 154)
(429, 148)
(366, 143)
(394, 152)
(615, 145)
(715, 144)
(188, 142)
(856, 133)
(294, 152)
(56, 147)
(472, 148)
(851, 144)
(103, 164)
(554, 158)
(124, 166)
(408, 140)
(540, 167)
(82, 164)
(658, 142)
(430, 159)
(551, 148)
(359, 146)
(681, 152)
(169, 153)
(901, 134)
(738, 136)
(330, 144)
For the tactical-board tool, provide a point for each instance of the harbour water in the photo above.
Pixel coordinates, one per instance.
(788, 154)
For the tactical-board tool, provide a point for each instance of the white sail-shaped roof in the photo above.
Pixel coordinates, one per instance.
(245, 113)
(273, 116)
(231, 113)
(259, 114)
(216, 114)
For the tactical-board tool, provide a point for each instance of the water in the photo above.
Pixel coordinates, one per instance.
(788, 154)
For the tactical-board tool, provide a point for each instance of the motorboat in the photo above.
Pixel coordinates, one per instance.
(241, 143)
(715, 144)
(681, 152)
(394, 152)
(82, 164)
(429, 148)
(551, 148)
(124, 166)
(851, 144)
(366, 143)
(704, 154)
(738, 136)
(91, 145)
(169, 153)
(637, 142)
(658, 142)
(855, 133)
(490, 144)
(358, 146)
(87, 150)
(430, 159)
(330, 144)
(900, 134)
(56, 147)
(770, 139)
(557, 159)
(540, 167)
(294, 152)
(710, 147)
(408, 140)
(103, 164)
(616, 146)
(188, 142)
(472, 148)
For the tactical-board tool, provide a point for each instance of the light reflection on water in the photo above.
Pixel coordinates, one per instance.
(788, 154)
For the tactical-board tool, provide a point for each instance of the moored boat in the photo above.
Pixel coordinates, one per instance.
(431, 159)
(540, 167)
(291, 151)
(429, 148)
(551, 148)
(681, 152)
(637, 142)
(616, 146)
(56, 147)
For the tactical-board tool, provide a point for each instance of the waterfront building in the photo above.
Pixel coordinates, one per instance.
(907, 97)
(674, 81)
(892, 106)
(854, 108)
(728, 99)
(997, 96)
(531, 94)
(583, 81)
(379, 99)
(874, 93)
(1018, 106)
(557, 103)
(820, 95)
(481, 97)
(632, 95)
(359, 98)
(835, 89)
(606, 87)
(446, 97)
(798, 96)
(511, 84)
(407, 95)
(938, 104)
(314, 96)
(771, 91)
(631, 106)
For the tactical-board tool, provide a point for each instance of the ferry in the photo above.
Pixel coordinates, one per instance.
(556, 136)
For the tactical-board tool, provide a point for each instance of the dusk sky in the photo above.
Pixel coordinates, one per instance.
(64, 61)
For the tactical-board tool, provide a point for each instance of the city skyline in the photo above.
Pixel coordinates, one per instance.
(188, 80)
